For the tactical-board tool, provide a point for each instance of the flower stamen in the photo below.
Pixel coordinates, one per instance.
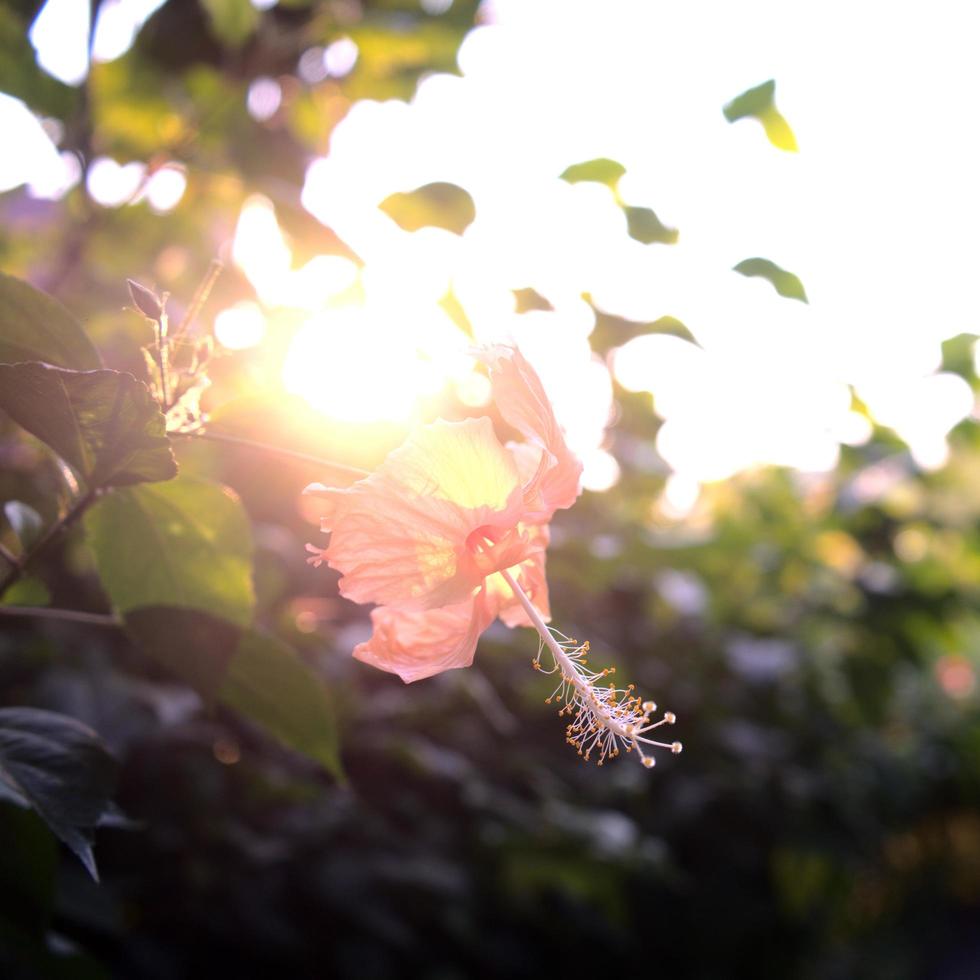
(605, 719)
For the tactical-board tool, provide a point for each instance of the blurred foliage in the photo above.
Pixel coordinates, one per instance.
(785, 283)
(818, 637)
(438, 205)
(641, 223)
(760, 103)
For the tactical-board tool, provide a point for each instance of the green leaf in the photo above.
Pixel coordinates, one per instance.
(644, 225)
(785, 283)
(438, 205)
(672, 326)
(35, 327)
(105, 424)
(193, 645)
(26, 522)
(28, 591)
(186, 543)
(958, 355)
(250, 672)
(599, 171)
(759, 103)
(751, 102)
(186, 593)
(269, 684)
(59, 768)
(232, 21)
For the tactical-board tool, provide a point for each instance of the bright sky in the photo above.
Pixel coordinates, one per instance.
(876, 214)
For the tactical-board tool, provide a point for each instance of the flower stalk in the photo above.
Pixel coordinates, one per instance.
(352, 472)
(604, 719)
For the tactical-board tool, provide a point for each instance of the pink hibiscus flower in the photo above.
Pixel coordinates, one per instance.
(450, 532)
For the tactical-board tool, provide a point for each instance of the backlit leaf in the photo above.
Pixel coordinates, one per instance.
(759, 103)
(103, 423)
(785, 283)
(644, 225)
(438, 205)
(35, 327)
(186, 543)
(600, 171)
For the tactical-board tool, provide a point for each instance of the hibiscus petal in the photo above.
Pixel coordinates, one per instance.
(416, 644)
(523, 403)
(400, 535)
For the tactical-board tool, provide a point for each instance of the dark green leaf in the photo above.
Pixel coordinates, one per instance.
(438, 205)
(59, 768)
(104, 423)
(759, 103)
(232, 21)
(191, 644)
(646, 227)
(785, 283)
(599, 171)
(28, 863)
(186, 543)
(269, 684)
(25, 521)
(252, 673)
(35, 327)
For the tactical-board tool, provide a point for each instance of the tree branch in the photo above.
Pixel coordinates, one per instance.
(65, 615)
(7, 555)
(21, 564)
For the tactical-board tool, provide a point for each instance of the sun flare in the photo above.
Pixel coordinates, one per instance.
(353, 369)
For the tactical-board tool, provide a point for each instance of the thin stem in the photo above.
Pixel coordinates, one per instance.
(8, 555)
(162, 357)
(274, 450)
(65, 615)
(200, 297)
(62, 524)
